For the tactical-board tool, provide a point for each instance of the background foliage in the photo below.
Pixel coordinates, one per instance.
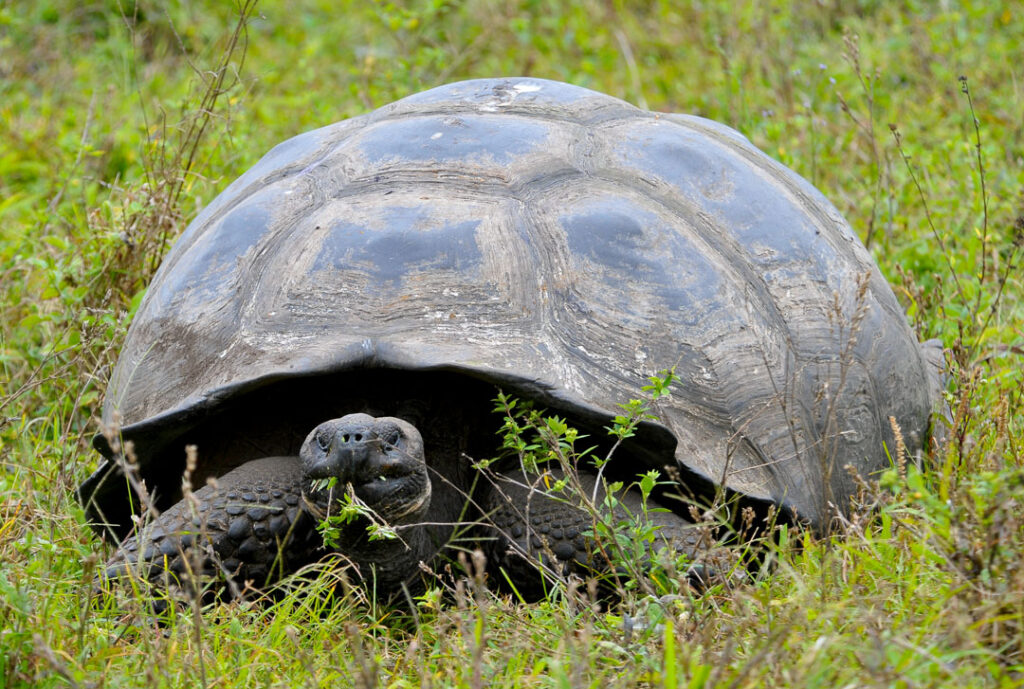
(119, 121)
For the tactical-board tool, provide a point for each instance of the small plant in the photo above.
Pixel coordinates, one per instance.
(351, 510)
(626, 541)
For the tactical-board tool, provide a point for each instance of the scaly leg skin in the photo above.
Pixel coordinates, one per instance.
(532, 526)
(250, 528)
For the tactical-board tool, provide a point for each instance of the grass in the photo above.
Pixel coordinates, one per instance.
(905, 114)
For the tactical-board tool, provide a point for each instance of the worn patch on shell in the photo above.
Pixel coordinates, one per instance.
(635, 246)
(410, 243)
(751, 201)
(216, 255)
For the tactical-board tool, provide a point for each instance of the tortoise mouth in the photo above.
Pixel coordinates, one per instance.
(384, 478)
(382, 473)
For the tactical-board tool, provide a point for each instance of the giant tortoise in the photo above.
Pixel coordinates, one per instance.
(351, 305)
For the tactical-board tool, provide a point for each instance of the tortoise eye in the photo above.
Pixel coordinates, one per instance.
(323, 440)
(392, 437)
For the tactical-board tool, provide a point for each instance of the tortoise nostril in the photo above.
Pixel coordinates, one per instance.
(351, 437)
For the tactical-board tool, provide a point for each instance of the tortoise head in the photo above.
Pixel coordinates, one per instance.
(379, 459)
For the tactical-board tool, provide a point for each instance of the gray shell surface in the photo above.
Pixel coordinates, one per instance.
(530, 231)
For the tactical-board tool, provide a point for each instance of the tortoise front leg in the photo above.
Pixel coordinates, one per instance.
(249, 529)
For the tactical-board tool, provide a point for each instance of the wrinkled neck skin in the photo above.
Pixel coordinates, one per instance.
(393, 565)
